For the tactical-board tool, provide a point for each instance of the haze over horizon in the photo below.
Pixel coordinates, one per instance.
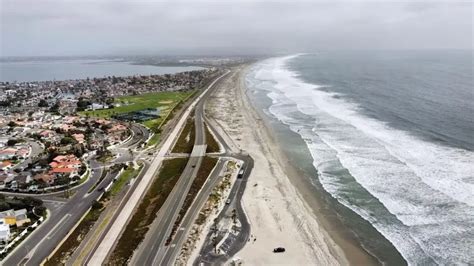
(62, 28)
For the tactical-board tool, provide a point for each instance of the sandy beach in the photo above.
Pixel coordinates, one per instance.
(276, 202)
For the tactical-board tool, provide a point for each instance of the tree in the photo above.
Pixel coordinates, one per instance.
(82, 104)
(12, 142)
(96, 205)
(5, 103)
(43, 103)
(55, 108)
(12, 124)
(67, 140)
(32, 201)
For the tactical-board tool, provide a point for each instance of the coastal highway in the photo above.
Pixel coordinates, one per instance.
(113, 234)
(152, 249)
(170, 253)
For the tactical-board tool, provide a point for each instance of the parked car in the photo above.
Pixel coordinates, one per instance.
(278, 250)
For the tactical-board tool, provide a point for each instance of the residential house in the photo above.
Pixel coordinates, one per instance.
(65, 165)
(47, 178)
(80, 138)
(8, 217)
(21, 217)
(7, 153)
(5, 178)
(21, 180)
(4, 231)
(6, 165)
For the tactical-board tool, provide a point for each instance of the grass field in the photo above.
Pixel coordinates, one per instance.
(126, 176)
(154, 140)
(163, 100)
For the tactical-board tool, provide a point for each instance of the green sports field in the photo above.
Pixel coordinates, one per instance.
(164, 100)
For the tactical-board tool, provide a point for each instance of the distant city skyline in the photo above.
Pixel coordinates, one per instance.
(61, 28)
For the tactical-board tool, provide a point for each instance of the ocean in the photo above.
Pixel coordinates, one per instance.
(388, 135)
(44, 70)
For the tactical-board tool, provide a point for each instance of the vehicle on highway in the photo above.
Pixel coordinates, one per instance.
(278, 250)
(241, 173)
(227, 201)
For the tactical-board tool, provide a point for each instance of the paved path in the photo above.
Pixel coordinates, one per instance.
(113, 234)
(152, 250)
(63, 217)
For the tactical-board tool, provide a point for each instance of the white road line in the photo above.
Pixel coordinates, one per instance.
(114, 233)
(60, 223)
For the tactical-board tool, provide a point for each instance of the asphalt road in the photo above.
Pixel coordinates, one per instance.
(101, 231)
(103, 250)
(207, 255)
(175, 246)
(152, 250)
(64, 214)
(45, 238)
(36, 150)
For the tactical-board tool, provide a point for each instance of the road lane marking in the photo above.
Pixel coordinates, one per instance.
(60, 223)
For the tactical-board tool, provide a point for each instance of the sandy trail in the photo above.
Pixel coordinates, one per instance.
(278, 214)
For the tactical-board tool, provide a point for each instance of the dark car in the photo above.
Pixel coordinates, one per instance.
(278, 250)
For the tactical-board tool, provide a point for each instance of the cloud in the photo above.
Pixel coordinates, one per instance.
(62, 27)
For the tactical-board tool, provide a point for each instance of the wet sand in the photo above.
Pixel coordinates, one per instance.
(282, 205)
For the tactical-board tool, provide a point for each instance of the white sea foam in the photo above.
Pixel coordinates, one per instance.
(429, 188)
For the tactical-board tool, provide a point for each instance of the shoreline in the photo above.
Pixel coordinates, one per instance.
(311, 233)
(350, 247)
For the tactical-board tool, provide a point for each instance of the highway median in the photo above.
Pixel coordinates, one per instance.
(204, 171)
(147, 210)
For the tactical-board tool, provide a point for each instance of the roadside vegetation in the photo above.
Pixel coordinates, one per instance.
(144, 215)
(212, 145)
(154, 140)
(203, 173)
(185, 142)
(68, 247)
(61, 256)
(125, 177)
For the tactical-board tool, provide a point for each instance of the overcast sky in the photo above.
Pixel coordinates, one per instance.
(95, 27)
